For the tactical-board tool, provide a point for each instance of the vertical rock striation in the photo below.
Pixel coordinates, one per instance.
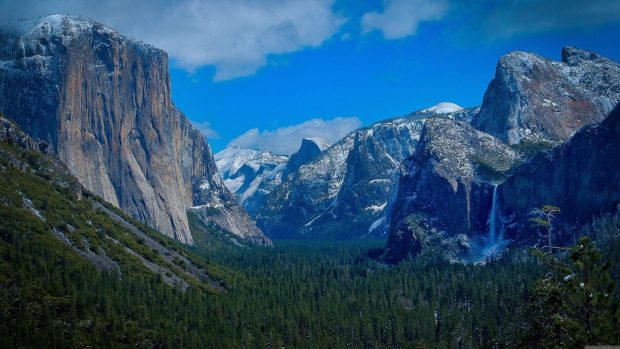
(102, 101)
(581, 177)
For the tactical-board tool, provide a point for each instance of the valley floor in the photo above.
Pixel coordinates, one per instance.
(294, 295)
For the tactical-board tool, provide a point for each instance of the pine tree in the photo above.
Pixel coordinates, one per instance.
(576, 306)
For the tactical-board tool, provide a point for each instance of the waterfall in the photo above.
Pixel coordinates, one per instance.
(493, 218)
(483, 249)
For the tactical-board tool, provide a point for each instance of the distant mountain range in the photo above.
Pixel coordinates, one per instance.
(251, 174)
(341, 192)
(442, 169)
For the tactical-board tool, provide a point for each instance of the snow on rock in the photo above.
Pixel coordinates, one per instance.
(534, 99)
(443, 108)
(376, 224)
(60, 78)
(352, 179)
(250, 173)
(321, 143)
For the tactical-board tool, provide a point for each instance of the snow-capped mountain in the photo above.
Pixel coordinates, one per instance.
(443, 108)
(309, 150)
(342, 193)
(251, 174)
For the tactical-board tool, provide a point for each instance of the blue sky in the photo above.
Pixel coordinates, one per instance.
(285, 69)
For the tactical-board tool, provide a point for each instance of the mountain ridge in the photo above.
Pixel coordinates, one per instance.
(344, 190)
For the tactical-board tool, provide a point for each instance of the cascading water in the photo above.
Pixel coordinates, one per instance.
(491, 246)
(493, 218)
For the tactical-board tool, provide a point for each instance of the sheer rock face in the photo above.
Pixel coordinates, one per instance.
(448, 182)
(309, 150)
(343, 193)
(581, 177)
(535, 99)
(448, 187)
(102, 102)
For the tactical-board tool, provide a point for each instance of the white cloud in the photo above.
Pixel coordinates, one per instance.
(400, 18)
(205, 128)
(234, 36)
(286, 140)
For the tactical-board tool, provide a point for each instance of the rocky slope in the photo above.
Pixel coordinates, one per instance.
(535, 99)
(448, 196)
(447, 185)
(342, 194)
(309, 150)
(41, 201)
(102, 102)
(581, 177)
(251, 174)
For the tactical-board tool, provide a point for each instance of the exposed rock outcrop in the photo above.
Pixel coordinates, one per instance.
(581, 177)
(447, 184)
(42, 185)
(342, 194)
(534, 99)
(250, 174)
(102, 102)
(52, 170)
(12, 134)
(446, 191)
(309, 150)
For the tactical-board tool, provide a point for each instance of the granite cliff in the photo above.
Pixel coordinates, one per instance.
(535, 99)
(581, 177)
(446, 186)
(102, 102)
(468, 193)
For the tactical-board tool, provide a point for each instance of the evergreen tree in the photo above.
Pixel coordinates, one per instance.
(576, 309)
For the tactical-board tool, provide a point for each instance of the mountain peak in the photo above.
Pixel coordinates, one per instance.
(533, 98)
(57, 24)
(574, 56)
(321, 143)
(35, 33)
(443, 108)
(309, 150)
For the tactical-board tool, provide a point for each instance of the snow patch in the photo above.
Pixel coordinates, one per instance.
(321, 143)
(548, 103)
(200, 207)
(314, 219)
(443, 108)
(376, 208)
(204, 185)
(376, 224)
